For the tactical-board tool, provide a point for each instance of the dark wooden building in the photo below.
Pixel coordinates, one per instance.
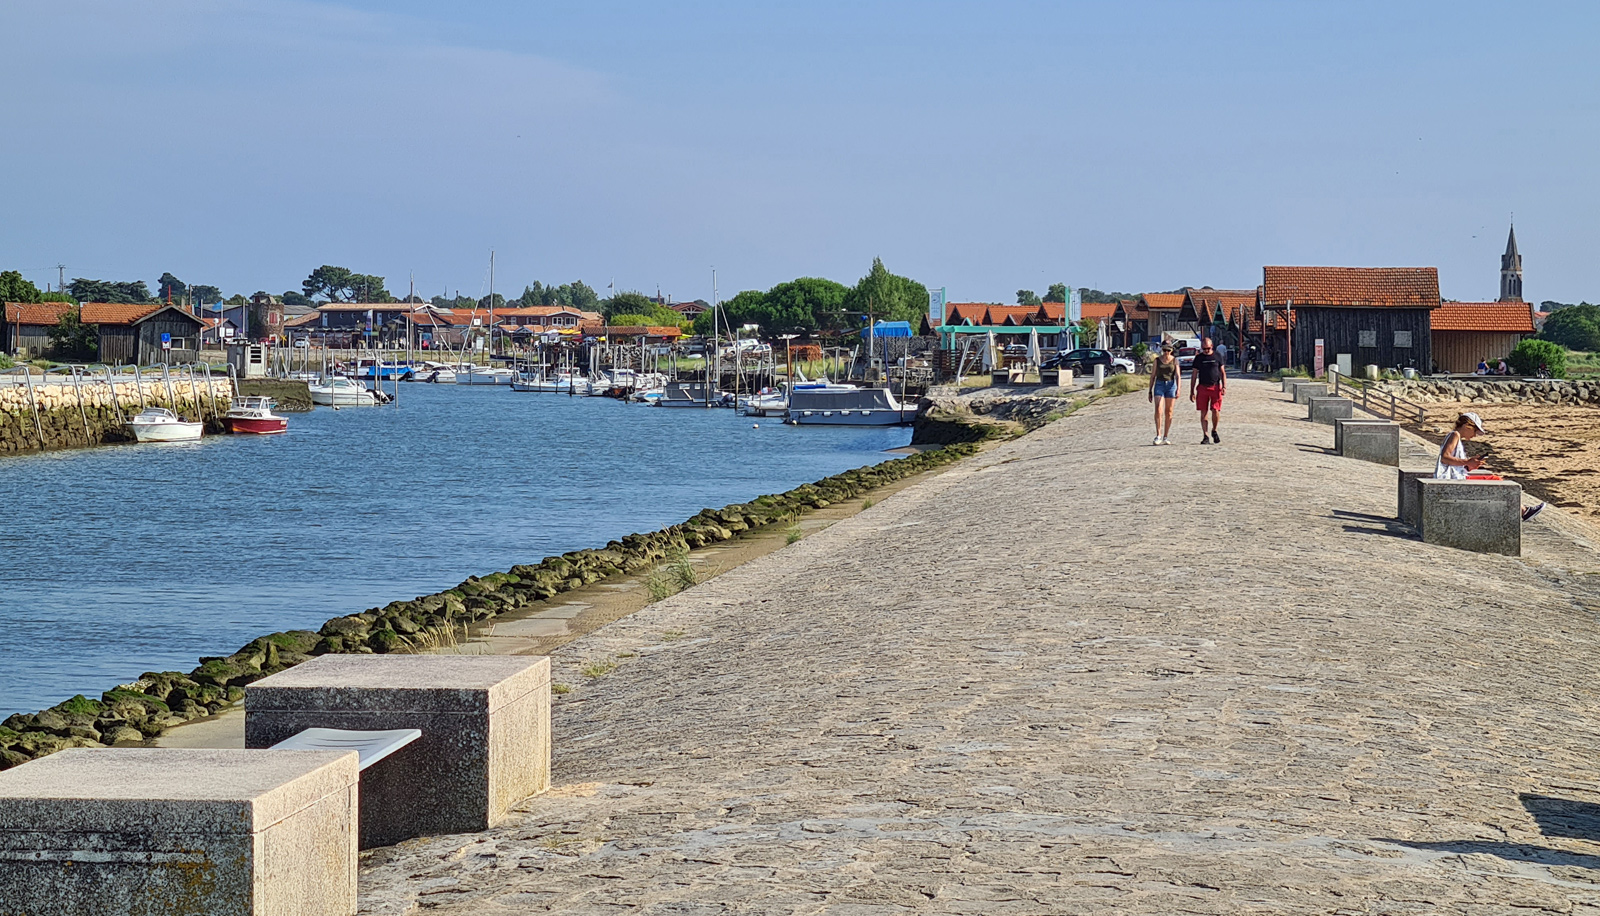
(131, 334)
(1467, 333)
(1378, 315)
(26, 331)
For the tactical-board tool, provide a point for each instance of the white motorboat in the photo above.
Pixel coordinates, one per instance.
(563, 382)
(158, 424)
(774, 402)
(482, 375)
(339, 391)
(690, 394)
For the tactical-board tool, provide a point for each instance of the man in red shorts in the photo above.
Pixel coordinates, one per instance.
(1208, 382)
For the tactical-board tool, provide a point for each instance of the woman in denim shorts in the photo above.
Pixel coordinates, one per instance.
(1165, 377)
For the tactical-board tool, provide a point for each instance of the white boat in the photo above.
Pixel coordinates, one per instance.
(774, 402)
(481, 375)
(158, 424)
(690, 394)
(845, 405)
(439, 373)
(339, 391)
(564, 382)
(253, 415)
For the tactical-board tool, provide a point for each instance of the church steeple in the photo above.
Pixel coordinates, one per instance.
(1511, 271)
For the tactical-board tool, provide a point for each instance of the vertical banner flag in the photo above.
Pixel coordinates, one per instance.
(1321, 360)
(936, 307)
(1074, 305)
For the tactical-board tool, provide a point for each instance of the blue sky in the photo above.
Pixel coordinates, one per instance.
(980, 147)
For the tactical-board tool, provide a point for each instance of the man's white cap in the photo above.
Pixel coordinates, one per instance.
(1475, 421)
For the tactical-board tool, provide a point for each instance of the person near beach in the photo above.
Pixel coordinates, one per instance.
(1453, 463)
(1165, 377)
(1208, 382)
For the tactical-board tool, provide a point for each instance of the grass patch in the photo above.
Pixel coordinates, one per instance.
(792, 534)
(672, 636)
(437, 639)
(1123, 384)
(867, 504)
(598, 669)
(560, 689)
(671, 577)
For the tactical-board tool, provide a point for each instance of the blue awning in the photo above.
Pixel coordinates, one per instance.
(892, 329)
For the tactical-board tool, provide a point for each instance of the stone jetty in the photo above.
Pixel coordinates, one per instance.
(1077, 673)
(56, 412)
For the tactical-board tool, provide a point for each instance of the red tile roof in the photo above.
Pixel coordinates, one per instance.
(118, 312)
(1507, 317)
(1099, 311)
(303, 320)
(1163, 300)
(1351, 287)
(36, 312)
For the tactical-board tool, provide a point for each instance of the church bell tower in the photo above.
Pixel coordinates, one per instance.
(1511, 271)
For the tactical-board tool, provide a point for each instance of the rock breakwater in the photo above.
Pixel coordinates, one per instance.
(133, 712)
(66, 414)
(1495, 391)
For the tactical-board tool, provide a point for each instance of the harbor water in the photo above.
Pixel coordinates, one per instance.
(132, 558)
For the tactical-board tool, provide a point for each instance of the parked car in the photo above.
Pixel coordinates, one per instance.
(1082, 362)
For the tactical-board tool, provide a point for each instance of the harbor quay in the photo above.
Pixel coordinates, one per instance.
(1077, 673)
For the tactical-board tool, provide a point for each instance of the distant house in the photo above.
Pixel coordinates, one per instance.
(1131, 319)
(689, 310)
(216, 331)
(1378, 315)
(1162, 320)
(544, 317)
(651, 334)
(133, 333)
(1465, 333)
(26, 331)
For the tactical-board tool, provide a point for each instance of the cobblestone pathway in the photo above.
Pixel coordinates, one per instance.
(1078, 674)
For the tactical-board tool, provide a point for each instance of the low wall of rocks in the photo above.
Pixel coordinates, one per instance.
(132, 712)
(290, 395)
(64, 415)
(1551, 392)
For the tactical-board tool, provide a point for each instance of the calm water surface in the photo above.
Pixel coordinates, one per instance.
(125, 559)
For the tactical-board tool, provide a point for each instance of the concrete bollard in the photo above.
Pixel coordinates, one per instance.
(1326, 410)
(1378, 442)
(1408, 502)
(1305, 391)
(1099, 376)
(1483, 516)
(1339, 427)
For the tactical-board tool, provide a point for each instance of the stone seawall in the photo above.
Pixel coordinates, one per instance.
(130, 713)
(59, 414)
(290, 395)
(1495, 391)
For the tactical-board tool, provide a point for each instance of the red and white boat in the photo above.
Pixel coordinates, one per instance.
(254, 416)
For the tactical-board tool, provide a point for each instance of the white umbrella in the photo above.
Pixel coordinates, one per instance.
(1100, 340)
(1033, 347)
(988, 353)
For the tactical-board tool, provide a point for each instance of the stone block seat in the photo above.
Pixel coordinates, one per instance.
(1327, 410)
(1305, 391)
(1484, 516)
(180, 832)
(485, 724)
(1377, 441)
(1408, 502)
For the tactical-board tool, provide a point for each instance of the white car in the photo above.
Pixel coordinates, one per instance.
(1124, 364)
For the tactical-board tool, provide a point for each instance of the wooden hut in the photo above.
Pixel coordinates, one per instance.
(1466, 333)
(144, 333)
(1378, 315)
(26, 331)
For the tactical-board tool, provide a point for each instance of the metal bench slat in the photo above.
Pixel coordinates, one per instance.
(370, 746)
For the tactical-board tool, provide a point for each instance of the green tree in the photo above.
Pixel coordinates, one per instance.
(1028, 297)
(294, 297)
(576, 294)
(803, 305)
(13, 288)
(71, 339)
(170, 287)
(1057, 293)
(328, 282)
(1533, 353)
(369, 288)
(499, 302)
(205, 295)
(1094, 295)
(1576, 327)
(887, 296)
(109, 291)
(630, 303)
(57, 297)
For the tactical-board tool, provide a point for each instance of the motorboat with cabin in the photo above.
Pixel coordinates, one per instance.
(483, 375)
(774, 402)
(691, 394)
(844, 405)
(342, 391)
(159, 424)
(254, 416)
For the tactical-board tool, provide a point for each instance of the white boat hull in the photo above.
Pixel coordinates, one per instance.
(167, 432)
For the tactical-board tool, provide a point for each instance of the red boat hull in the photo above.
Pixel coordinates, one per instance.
(239, 425)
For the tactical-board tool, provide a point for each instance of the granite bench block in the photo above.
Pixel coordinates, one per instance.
(485, 724)
(1484, 516)
(1305, 391)
(1378, 442)
(1326, 410)
(1340, 425)
(179, 832)
(1408, 502)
